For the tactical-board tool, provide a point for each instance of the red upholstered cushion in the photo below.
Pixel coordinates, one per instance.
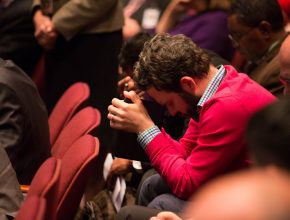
(34, 207)
(77, 165)
(44, 184)
(73, 99)
(84, 122)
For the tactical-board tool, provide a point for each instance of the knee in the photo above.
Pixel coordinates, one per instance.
(167, 202)
(150, 184)
(159, 202)
(124, 213)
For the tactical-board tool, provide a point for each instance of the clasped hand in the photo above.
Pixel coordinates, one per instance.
(131, 117)
(45, 31)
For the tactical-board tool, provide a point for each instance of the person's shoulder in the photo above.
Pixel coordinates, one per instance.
(213, 15)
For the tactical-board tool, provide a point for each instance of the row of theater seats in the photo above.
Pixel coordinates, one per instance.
(57, 187)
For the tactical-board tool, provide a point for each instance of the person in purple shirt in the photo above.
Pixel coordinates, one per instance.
(204, 21)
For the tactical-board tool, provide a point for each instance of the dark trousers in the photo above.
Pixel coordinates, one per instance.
(135, 212)
(156, 194)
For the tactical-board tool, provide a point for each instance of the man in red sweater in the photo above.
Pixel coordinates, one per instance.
(179, 75)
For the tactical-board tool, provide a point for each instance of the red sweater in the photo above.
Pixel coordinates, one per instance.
(215, 144)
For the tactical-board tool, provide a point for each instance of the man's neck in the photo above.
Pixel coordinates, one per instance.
(203, 83)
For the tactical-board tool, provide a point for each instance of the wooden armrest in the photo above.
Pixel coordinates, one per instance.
(24, 188)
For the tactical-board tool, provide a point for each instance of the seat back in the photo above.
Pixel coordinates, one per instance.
(45, 183)
(84, 122)
(34, 207)
(77, 165)
(72, 100)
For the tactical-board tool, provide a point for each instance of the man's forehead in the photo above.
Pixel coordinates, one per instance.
(159, 96)
(235, 23)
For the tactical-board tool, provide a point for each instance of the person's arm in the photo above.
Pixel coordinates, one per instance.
(11, 196)
(45, 32)
(76, 15)
(130, 28)
(11, 128)
(170, 16)
(12, 121)
(120, 166)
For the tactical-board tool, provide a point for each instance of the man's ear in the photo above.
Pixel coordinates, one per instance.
(188, 84)
(265, 28)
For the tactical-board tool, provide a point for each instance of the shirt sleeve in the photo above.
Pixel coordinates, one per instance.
(12, 122)
(11, 196)
(146, 136)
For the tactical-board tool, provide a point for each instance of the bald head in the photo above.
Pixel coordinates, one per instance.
(249, 195)
(284, 59)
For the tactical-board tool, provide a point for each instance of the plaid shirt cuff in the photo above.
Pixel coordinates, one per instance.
(146, 136)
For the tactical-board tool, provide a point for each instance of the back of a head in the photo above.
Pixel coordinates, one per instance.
(252, 12)
(131, 49)
(244, 195)
(165, 59)
(268, 135)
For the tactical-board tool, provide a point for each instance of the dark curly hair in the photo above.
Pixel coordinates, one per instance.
(165, 59)
(131, 49)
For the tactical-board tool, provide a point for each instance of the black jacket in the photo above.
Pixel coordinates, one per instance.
(24, 129)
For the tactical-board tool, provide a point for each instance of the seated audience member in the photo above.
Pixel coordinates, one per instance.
(11, 196)
(141, 15)
(204, 21)
(257, 31)
(179, 75)
(285, 6)
(284, 59)
(258, 194)
(128, 56)
(23, 122)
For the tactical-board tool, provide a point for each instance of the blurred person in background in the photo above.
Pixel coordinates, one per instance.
(24, 132)
(82, 41)
(257, 31)
(204, 21)
(284, 59)
(11, 196)
(142, 15)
